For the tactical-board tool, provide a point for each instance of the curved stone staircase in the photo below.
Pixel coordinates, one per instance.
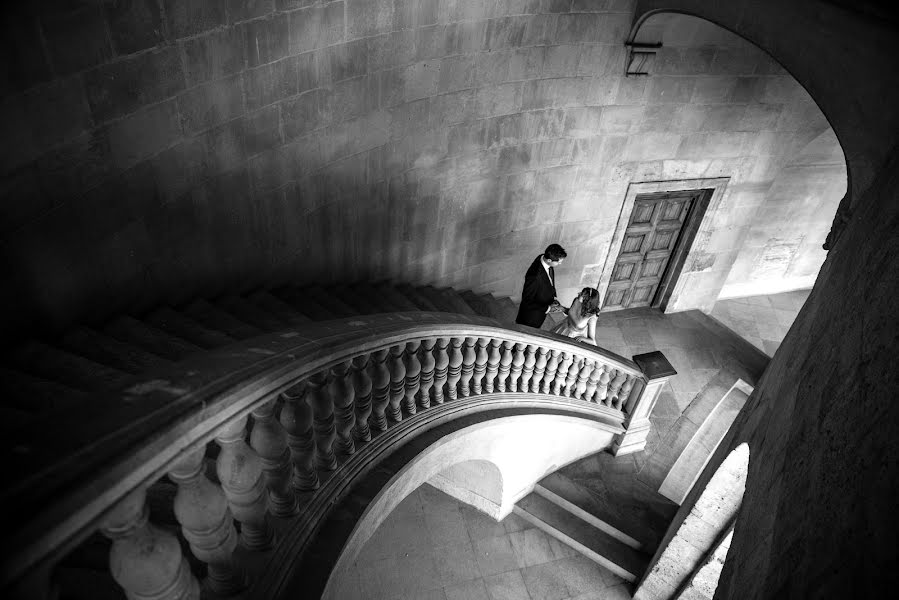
(41, 376)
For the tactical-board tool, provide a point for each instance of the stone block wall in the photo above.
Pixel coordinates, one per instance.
(159, 150)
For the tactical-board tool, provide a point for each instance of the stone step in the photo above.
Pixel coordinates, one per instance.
(109, 351)
(439, 300)
(509, 310)
(177, 324)
(478, 303)
(150, 338)
(399, 301)
(214, 317)
(360, 302)
(367, 293)
(417, 297)
(251, 313)
(34, 394)
(594, 543)
(301, 301)
(328, 301)
(72, 370)
(278, 307)
(456, 302)
(578, 502)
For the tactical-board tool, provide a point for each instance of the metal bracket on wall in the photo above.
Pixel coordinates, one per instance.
(639, 57)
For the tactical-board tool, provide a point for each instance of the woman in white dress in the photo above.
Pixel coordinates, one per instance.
(581, 320)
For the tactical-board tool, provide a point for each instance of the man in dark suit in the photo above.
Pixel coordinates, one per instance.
(540, 287)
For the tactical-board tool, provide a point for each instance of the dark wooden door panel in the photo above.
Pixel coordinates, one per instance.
(650, 239)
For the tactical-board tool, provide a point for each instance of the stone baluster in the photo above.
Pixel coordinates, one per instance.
(454, 373)
(602, 389)
(322, 421)
(493, 358)
(413, 376)
(362, 392)
(342, 393)
(240, 470)
(562, 372)
(573, 370)
(592, 381)
(625, 391)
(527, 371)
(505, 365)
(517, 367)
(206, 523)
(615, 387)
(539, 369)
(480, 366)
(427, 373)
(380, 381)
(296, 418)
(468, 357)
(582, 376)
(397, 383)
(269, 440)
(552, 366)
(441, 369)
(144, 559)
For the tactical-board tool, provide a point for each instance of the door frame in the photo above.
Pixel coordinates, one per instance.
(696, 227)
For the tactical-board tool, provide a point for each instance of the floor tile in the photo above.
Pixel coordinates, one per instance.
(581, 575)
(531, 547)
(456, 563)
(507, 586)
(495, 555)
(480, 525)
(546, 581)
(467, 590)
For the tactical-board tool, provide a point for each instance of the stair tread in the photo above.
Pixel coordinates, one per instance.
(509, 309)
(300, 300)
(35, 395)
(55, 364)
(180, 325)
(356, 300)
(417, 298)
(278, 307)
(624, 503)
(332, 304)
(250, 313)
(570, 525)
(396, 298)
(216, 318)
(368, 293)
(128, 329)
(109, 351)
(480, 303)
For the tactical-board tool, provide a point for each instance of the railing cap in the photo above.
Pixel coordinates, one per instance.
(654, 365)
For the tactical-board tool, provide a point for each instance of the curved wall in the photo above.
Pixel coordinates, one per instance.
(164, 150)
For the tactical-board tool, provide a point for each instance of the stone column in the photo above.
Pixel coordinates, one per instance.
(269, 440)
(640, 402)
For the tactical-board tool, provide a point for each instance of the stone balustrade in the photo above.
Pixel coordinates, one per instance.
(278, 450)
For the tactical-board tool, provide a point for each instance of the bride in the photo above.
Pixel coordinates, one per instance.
(581, 320)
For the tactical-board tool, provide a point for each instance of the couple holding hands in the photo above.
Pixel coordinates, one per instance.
(538, 298)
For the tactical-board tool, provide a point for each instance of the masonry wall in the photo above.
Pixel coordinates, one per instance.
(159, 150)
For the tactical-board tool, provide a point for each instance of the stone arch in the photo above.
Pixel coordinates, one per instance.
(515, 451)
(699, 530)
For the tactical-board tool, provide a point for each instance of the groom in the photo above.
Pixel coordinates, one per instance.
(540, 287)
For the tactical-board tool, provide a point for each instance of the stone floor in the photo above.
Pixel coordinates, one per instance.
(433, 547)
(761, 320)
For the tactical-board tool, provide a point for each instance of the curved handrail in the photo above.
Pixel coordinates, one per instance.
(68, 471)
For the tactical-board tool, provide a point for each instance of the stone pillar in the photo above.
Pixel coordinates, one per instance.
(640, 402)
(362, 391)
(296, 418)
(426, 381)
(413, 376)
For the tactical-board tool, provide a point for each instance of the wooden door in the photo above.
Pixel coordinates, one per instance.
(649, 241)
